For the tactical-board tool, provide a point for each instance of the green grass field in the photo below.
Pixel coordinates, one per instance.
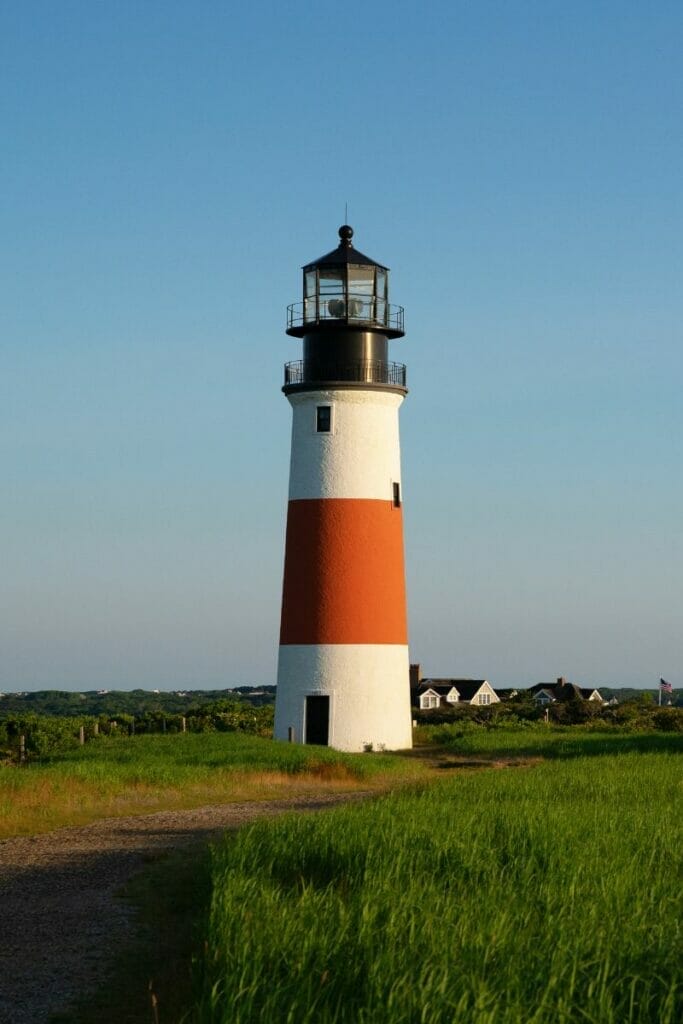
(538, 740)
(137, 775)
(530, 876)
(539, 894)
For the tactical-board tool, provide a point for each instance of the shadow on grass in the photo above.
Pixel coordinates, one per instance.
(490, 745)
(152, 978)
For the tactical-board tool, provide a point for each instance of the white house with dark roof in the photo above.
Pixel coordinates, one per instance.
(547, 693)
(427, 693)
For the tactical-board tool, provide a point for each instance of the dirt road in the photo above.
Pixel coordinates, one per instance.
(60, 918)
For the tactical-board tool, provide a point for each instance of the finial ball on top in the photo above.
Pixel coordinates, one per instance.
(346, 233)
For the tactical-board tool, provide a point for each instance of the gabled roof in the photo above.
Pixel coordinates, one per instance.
(435, 686)
(564, 691)
(467, 688)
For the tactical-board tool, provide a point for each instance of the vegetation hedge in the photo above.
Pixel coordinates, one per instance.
(640, 714)
(46, 735)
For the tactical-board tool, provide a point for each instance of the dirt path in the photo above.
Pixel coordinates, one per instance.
(60, 919)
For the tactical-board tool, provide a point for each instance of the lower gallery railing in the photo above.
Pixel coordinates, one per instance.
(357, 372)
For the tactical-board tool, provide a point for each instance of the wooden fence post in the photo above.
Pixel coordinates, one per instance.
(184, 723)
(163, 725)
(22, 749)
(96, 729)
(81, 735)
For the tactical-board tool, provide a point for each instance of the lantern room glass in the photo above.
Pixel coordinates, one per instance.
(310, 297)
(361, 293)
(348, 292)
(331, 282)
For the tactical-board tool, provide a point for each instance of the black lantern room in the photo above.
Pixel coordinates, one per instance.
(345, 320)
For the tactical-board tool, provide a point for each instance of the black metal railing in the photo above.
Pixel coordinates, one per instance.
(352, 308)
(366, 371)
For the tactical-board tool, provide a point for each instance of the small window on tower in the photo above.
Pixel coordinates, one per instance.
(397, 495)
(324, 419)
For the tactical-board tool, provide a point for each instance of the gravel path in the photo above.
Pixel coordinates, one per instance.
(60, 919)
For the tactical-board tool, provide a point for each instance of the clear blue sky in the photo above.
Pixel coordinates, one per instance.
(166, 170)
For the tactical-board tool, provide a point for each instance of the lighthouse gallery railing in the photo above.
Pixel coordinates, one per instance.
(357, 372)
(351, 308)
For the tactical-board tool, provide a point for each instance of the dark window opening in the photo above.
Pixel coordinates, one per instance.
(324, 419)
(397, 495)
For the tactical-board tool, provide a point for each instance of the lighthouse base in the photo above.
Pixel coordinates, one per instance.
(353, 697)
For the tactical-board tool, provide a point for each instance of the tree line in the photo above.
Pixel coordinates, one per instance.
(129, 702)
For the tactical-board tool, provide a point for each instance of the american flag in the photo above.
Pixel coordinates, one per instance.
(665, 687)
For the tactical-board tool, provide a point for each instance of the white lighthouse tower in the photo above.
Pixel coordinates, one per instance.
(343, 671)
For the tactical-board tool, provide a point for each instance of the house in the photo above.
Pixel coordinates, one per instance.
(547, 693)
(427, 694)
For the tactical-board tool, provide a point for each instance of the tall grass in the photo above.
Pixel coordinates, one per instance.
(536, 895)
(147, 773)
(539, 740)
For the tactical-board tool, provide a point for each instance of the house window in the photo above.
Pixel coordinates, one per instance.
(323, 422)
(429, 700)
(452, 697)
(484, 698)
(396, 488)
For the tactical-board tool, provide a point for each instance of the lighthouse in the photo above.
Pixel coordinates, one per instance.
(343, 667)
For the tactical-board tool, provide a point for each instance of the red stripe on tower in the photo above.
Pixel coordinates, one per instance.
(344, 577)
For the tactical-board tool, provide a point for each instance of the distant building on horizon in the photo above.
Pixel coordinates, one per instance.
(561, 690)
(427, 693)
